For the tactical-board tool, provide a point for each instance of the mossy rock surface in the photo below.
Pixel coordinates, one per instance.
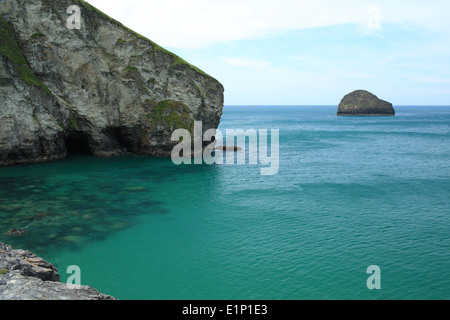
(169, 114)
(11, 49)
(87, 90)
(364, 103)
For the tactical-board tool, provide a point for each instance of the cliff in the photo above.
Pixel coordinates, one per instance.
(101, 89)
(25, 276)
(364, 103)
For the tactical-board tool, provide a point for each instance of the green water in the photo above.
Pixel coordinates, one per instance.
(350, 193)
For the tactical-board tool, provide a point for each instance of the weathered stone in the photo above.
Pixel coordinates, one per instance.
(364, 103)
(102, 90)
(25, 276)
(27, 264)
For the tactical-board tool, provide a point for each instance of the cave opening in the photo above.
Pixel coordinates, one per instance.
(77, 143)
(124, 138)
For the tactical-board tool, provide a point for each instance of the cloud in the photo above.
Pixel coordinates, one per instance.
(373, 21)
(407, 59)
(199, 23)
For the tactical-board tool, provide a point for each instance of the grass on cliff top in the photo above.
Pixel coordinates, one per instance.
(10, 48)
(177, 60)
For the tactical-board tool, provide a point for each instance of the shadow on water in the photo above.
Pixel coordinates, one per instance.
(70, 203)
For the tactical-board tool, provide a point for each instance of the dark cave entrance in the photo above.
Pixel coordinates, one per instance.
(122, 138)
(78, 143)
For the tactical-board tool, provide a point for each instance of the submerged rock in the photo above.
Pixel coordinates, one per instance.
(364, 103)
(25, 276)
(102, 90)
(16, 232)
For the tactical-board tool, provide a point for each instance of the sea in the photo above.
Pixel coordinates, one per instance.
(358, 209)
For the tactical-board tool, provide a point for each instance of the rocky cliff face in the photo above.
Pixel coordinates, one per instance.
(101, 89)
(364, 103)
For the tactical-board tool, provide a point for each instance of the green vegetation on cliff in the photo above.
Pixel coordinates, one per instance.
(10, 48)
(172, 114)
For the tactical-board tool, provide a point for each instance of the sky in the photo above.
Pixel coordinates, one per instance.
(304, 52)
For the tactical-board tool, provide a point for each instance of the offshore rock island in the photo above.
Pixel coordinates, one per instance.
(102, 89)
(364, 103)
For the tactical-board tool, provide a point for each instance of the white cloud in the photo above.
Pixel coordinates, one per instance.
(409, 70)
(197, 23)
(373, 21)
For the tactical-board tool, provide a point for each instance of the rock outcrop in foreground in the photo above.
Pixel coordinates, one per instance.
(24, 276)
(364, 103)
(101, 89)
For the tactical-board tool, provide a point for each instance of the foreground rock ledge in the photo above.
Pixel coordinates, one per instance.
(25, 276)
(364, 103)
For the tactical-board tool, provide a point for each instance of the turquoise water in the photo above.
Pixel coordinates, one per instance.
(351, 192)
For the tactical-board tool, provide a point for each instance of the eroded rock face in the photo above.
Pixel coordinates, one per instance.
(27, 264)
(364, 103)
(102, 89)
(25, 276)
